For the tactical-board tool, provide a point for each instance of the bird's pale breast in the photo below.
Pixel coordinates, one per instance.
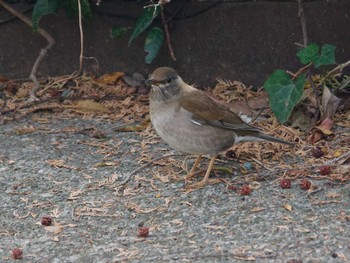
(175, 127)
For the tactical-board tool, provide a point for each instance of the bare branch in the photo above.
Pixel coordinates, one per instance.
(167, 34)
(303, 22)
(42, 52)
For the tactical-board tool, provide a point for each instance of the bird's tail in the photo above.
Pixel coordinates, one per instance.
(270, 138)
(247, 136)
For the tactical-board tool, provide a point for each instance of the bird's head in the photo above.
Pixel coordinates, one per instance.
(165, 82)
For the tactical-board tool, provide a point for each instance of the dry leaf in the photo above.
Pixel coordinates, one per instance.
(257, 209)
(330, 103)
(104, 164)
(344, 95)
(287, 207)
(333, 195)
(86, 106)
(109, 78)
(134, 80)
(56, 228)
(134, 127)
(321, 131)
(25, 130)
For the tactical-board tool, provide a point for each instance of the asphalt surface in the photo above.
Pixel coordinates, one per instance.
(71, 170)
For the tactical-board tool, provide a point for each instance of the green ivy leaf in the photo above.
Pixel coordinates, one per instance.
(45, 7)
(153, 42)
(71, 8)
(308, 54)
(41, 8)
(144, 21)
(284, 93)
(118, 31)
(327, 56)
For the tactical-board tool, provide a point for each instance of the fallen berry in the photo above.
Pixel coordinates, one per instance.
(245, 190)
(317, 152)
(326, 169)
(230, 154)
(143, 232)
(46, 221)
(305, 184)
(17, 253)
(285, 183)
(232, 187)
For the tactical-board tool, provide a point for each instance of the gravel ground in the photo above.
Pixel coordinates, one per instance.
(65, 169)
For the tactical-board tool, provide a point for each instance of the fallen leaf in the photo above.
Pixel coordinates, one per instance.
(86, 106)
(321, 131)
(104, 164)
(330, 103)
(109, 78)
(56, 228)
(303, 230)
(287, 207)
(25, 130)
(344, 96)
(134, 127)
(257, 209)
(333, 195)
(134, 80)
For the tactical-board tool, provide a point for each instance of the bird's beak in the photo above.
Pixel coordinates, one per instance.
(150, 82)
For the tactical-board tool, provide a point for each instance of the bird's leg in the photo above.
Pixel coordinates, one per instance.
(206, 177)
(191, 173)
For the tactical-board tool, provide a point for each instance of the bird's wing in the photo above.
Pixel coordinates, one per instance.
(206, 111)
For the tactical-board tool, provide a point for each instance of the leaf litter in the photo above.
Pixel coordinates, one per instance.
(109, 97)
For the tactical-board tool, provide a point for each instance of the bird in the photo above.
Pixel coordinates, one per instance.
(192, 122)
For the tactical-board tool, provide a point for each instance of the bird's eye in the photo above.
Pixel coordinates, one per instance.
(168, 80)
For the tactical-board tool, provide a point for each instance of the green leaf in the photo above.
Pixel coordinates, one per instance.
(144, 21)
(284, 93)
(327, 56)
(41, 8)
(118, 31)
(71, 8)
(153, 42)
(45, 7)
(308, 54)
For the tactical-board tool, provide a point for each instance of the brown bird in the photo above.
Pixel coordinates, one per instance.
(192, 122)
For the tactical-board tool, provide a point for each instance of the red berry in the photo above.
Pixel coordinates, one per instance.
(245, 190)
(230, 154)
(305, 184)
(17, 253)
(326, 169)
(143, 232)
(285, 183)
(46, 221)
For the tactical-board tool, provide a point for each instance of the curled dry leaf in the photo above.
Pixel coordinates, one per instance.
(109, 78)
(330, 103)
(287, 207)
(321, 131)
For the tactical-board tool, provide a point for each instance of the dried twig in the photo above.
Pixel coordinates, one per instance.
(42, 53)
(302, 20)
(82, 57)
(81, 39)
(167, 34)
(338, 68)
(308, 76)
(127, 179)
